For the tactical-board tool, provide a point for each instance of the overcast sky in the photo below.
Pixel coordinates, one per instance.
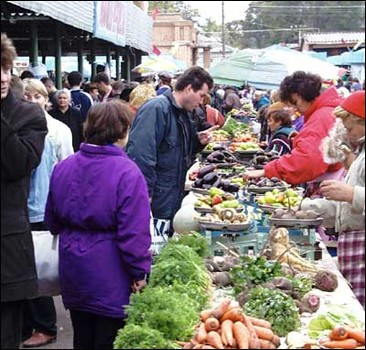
(233, 10)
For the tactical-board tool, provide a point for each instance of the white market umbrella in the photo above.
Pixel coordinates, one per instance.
(266, 68)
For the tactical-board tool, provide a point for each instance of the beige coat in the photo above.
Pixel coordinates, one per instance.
(346, 216)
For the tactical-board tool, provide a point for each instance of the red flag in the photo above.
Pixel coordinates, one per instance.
(156, 51)
(155, 13)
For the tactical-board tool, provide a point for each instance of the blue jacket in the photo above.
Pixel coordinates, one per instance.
(39, 183)
(162, 142)
(81, 101)
(98, 204)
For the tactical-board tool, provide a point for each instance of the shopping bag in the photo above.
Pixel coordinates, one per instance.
(159, 229)
(46, 256)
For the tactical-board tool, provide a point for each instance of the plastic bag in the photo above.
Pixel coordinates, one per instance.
(46, 255)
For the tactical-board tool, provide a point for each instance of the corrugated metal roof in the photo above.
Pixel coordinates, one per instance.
(139, 29)
(334, 38)
(79, 14)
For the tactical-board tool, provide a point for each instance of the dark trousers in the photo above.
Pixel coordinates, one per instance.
(94, 332)
(11, 324)
(40, 316)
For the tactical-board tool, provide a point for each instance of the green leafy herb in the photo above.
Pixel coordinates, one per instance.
(275, 307)
(162, 308)
(178, 264)
(142, 337)
(301, 285)
(195, 241)
(253, 271)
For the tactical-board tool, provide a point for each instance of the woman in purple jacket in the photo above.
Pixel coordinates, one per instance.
(98, 203)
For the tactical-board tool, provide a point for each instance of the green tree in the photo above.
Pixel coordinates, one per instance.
(265, 21)
(175, 6)
(210, 27)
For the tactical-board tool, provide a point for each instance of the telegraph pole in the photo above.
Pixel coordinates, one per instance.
(223, 28)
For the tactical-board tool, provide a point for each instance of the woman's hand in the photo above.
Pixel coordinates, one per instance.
(337, 191)
(138, 285)
(253, 174)
(205, 136)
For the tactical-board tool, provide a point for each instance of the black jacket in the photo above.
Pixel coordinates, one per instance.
(74, 120)
(23, 130)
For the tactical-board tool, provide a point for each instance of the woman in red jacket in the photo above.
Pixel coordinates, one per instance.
(305, 163)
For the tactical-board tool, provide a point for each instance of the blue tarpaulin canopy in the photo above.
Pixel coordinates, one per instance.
(348, 58)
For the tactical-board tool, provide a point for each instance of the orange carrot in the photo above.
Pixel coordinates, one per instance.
(264, 333)
(341, 344)
(266, 344)
(260, 323)
(220, 309)
(214, 339)
(201, 333)
(205, 314)
(241, 335)
(234, 314)
(276, 340)
(253, 340)
(227, 332)
(212, 324)
(357, 334)
(338, 333)
(198, 346)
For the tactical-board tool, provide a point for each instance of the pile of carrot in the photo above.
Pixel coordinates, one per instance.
(227, 327)
(344, 337)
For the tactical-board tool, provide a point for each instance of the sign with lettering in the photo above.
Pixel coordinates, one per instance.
(110, 21)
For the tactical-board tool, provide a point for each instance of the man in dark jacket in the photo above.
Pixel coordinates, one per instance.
(23, 130)
(163, 140)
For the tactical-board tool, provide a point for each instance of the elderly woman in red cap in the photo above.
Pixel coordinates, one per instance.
(344, 202)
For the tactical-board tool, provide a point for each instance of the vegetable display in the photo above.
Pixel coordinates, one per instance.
(142, 337)
(195, 241)
(182, 267)
(253, 271)
(275, 307)
(171, 312)
(336, 315)
(227, 327)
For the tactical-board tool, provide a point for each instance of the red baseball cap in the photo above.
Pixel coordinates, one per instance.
(355, 104)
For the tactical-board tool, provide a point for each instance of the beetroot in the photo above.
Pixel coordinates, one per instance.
(326, 280)
(311, 301)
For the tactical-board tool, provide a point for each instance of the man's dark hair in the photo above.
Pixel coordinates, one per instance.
(306, 85)
(46, 80)
(26, 74)
(196, 77)
(107, 122)
(74, 78)
(102, 78)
